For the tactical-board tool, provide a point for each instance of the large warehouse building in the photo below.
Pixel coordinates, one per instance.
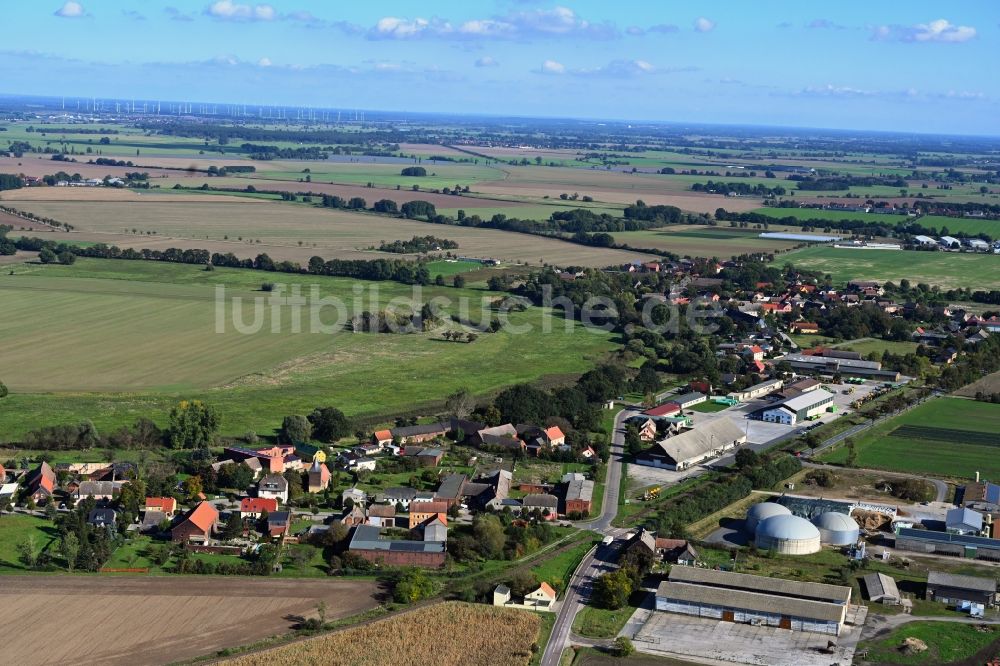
(694, 446)
(798, 409)
(845, 366)
(942, 543)
(771, 602)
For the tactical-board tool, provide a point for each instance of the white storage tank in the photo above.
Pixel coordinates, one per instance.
(788, 535)
(763, 511)
(837, 529)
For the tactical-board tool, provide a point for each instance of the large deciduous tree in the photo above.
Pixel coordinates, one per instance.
(329, 424)
(193, 424)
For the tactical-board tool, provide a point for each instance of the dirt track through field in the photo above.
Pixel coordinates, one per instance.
(157, 620)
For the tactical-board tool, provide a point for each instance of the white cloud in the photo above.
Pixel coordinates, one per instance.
(552, 67)
(616, 69)
(940, 30)
(264, 62)
(487, 61)
(71, 9)
(132, 14)
(227, 10)
(703, 24)
(555, 22)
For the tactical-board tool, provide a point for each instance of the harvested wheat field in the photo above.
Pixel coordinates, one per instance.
(447, 634)
(72, 194)
(157, 620)
(303, 230)
(43, 165)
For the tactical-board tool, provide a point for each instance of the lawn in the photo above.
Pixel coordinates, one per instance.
(558, 571)
(949, 270)
(865, 347)
(594, 622)
(450, 267)
(942, 437)
(947, 642)
(708, 407)
(15, 529)
(60, 366)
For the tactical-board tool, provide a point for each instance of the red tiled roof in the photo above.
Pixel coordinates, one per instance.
(429, 507)
(382, 435)
(165, 504)
(663, 410)
(554, 433)
(204, 516)
(547, 589)
(258, 504)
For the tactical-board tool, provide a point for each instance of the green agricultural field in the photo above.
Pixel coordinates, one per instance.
(361, 173)
(943, 437)
(948, 270)
(938, 222)
(128, 339)
(703, 241)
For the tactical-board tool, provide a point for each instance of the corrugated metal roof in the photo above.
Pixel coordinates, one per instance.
(961, 582)
(762, 584)
(880, 586)
(701, 440)
(752, 601)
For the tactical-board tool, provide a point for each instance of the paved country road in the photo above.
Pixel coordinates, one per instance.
(597, 561)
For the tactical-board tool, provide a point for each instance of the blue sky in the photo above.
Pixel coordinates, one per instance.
(912, 66)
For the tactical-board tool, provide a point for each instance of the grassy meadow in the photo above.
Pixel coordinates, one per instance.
(948, 270)
(950, 448)
(703, 241)
(115, 340)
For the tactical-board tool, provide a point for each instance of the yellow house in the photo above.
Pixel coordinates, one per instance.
(310, 453)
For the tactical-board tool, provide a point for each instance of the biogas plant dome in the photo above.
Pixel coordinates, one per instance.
(761, 512)
(788, 535)
(837, 529)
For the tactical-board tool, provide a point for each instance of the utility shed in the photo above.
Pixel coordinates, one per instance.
(773, 602)
(882, 588)
(955, 588)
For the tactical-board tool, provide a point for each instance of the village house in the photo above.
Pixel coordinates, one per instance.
(197, 526)
(254, 507)
(547, 505)
(382, 515)
(165, 505)
(541, 599)
(310, 453)
(419, 433)
(421, 512)
(382, 437)
(97, 490)
(41, 482)
(273, 486)
(278, 524)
